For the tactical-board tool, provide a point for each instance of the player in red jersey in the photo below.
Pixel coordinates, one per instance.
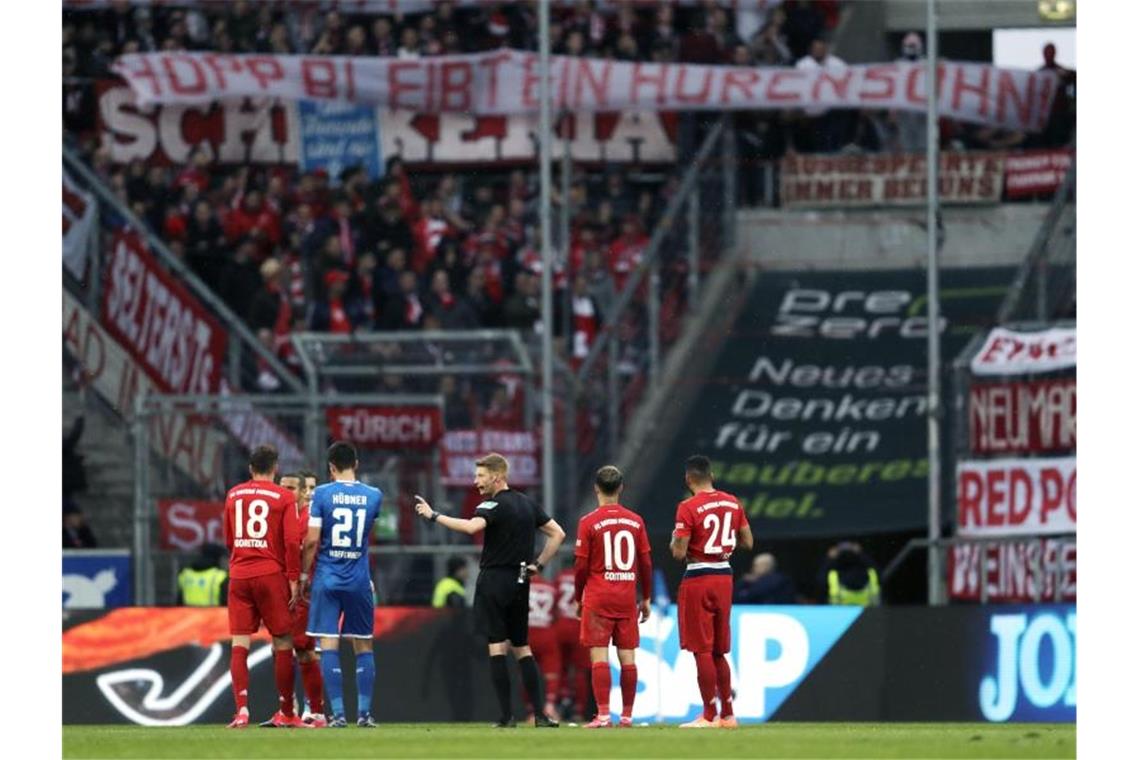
(305, 646)
(709, 526)
(543, 638)
(573, 657)
(611, 556)
(264, 539)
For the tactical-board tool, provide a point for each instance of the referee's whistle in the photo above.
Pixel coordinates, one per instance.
(522, 572)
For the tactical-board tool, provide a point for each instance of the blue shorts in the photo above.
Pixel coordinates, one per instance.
(328, 605)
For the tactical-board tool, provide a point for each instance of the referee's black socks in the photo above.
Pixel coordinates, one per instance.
(502, 681)
(532, 681)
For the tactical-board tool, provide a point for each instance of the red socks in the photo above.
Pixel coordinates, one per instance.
(600, 674)
(706, 680)
(628, 689)
(283, 675)
(311, 678)
(239, 675)
(723, 685)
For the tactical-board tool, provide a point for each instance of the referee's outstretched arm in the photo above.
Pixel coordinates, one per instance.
(457, 524)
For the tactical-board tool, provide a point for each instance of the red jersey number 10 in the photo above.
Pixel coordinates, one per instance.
(722, 539)
(618, 547)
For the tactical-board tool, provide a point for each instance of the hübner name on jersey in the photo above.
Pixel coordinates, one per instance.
(343, 554)
(349, 498)
(250, 543)
(616, 521)
(613, 576)
(715, 504)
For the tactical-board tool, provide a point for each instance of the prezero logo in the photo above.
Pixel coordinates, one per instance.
(1034, 664)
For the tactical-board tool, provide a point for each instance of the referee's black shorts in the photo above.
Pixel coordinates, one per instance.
(502, 605)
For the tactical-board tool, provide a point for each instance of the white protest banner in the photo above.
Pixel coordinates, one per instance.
(1019, 571)
(1010, 352)
(1010, 497)
(506, 82)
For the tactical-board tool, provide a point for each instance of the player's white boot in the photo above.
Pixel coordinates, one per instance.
(700, 722)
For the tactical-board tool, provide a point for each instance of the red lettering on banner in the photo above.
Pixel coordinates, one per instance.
(144, 71)
(839, 86)
(177, 85)
(460, 86)
(265, 69)
(1009, 94)
(969, 498)
(598, 86)
(741, 79)
(1019, 485)
(350, 78)
(220, 64)
(654, 80)
(702, 96)
(995, 497)
(1051, 480)
(912, 93)
(774, 82)
(1048, 87)
(318, 77)
(981, 90)
(492, 63)
(395, 86)
(884, 75)
(429, 99)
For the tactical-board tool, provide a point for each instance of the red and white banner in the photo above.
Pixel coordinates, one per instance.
(461, 448)
(1024, 418)
(1019, 572)
(179, 344)
(1010, 497)
(386, 427)
(190, 442)
(1036, 171)
(506, 82)
(900, 180)
(186, 524)
(78, 226)
(266, 131)
(1008, 352)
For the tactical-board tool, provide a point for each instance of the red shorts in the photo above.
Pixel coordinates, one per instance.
(572, 652)
(544, 645)
(704, 611)
(253, 600)
(599, 630)
(301, 640)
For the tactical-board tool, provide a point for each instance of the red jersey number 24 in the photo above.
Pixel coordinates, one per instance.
(722, 539)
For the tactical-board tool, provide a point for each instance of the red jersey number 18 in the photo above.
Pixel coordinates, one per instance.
(257, 525)
(720, 530)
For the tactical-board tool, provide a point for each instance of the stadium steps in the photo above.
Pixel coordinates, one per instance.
(105, 445)
(654, 424)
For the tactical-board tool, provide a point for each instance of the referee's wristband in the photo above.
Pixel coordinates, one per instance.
(539, 565)
(434, 517)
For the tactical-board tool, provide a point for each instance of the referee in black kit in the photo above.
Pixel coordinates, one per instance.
(502, 592)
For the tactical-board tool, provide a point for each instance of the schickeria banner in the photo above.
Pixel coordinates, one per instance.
(815, 412)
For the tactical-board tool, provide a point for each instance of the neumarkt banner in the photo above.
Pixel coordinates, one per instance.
(815, 414)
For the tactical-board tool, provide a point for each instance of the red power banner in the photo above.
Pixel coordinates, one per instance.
(1024, 417)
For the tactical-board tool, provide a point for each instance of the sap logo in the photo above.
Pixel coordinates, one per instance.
(1020, 644)
(82, 592)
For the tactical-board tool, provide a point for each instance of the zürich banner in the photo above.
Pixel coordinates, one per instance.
(506, 82)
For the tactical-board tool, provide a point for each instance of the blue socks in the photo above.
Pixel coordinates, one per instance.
(365, 680)
(334, 683)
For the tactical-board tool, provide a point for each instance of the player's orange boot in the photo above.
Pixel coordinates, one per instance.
(700, 722)
(316, 720)
(727, 722)
(281, 720)
(625, 722)
(241, 719)
(599, 722)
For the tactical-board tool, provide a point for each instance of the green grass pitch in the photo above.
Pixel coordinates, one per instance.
(784, 740)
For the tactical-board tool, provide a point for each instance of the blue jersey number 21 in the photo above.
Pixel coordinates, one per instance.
(341, 531)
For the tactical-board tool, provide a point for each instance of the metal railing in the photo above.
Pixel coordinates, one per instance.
(696, 227)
